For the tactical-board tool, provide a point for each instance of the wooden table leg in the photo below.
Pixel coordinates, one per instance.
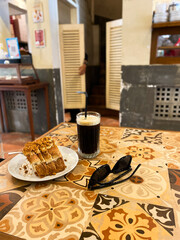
(4, 111)
(47, 106)
(29, 106)
(1, 118)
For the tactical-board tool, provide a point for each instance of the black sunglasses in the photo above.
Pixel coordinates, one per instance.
(122, 165)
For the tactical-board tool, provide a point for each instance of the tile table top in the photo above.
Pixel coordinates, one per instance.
(147, 206)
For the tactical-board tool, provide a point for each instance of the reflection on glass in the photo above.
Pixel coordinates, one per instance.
(168, 46)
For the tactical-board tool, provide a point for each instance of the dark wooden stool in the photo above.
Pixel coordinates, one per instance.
(27, 91)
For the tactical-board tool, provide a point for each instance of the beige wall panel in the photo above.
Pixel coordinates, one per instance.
(4, 23)
(4, 33)
(42, 57)
(137, 22)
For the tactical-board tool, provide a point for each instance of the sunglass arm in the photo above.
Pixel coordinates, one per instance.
(114, 183)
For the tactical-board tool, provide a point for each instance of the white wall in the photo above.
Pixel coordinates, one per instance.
(4, 23)
(168, 2)
(48, 56)
(137, 22)
(19, 3)
(64, 13)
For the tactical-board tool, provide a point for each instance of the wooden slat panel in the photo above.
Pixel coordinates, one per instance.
(72, 56)
(113, 63)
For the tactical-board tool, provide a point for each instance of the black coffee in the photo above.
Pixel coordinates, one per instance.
(88, 138)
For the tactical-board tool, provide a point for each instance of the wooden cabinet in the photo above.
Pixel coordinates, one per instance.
(159, 54)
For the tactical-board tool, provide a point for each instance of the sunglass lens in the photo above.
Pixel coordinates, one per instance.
(99, 174)
(122, 164)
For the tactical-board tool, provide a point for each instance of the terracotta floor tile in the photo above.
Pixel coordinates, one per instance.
(13, 141)
(109, 122)
(105, 121)
(15, 137)
(12, 147)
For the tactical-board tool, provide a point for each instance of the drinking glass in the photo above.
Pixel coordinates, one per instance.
(88, 128)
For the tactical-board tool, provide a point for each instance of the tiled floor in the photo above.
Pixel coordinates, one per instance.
(14, 141)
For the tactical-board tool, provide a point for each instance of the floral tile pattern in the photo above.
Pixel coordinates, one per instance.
(163, 215)
(145, 184)
(49, 210)
(129, 220)
(147, 206)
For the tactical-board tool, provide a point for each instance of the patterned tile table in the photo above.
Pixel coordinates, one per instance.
(145, 207)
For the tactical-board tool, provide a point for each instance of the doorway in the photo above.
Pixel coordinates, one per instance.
(19, 27)
(68, 12)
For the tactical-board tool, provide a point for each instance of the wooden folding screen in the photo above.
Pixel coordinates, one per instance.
(113, 63)
(72, 56)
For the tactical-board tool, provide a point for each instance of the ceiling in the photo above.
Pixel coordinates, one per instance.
(14, 10)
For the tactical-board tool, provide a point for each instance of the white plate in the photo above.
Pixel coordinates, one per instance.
(16, 162)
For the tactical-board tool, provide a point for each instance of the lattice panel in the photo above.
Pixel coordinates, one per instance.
(17, 100)
(167, 103)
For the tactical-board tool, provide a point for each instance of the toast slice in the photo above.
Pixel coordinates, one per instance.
(44, 156)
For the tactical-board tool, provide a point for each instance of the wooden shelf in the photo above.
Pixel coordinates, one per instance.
(159, 29)
(168, 47)
(166, 24)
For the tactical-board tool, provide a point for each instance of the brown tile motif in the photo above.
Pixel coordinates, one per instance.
(142, 153)
(110, 202)
(163, 215)
(9, 199)
(144, 136)
(129, 221)
(174, 177)
(149, 154)
(84, 166)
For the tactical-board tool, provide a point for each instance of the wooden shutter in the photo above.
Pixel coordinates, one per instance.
(113, 63)
(72, 56)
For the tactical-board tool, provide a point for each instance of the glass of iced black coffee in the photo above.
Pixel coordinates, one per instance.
(88, 128)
